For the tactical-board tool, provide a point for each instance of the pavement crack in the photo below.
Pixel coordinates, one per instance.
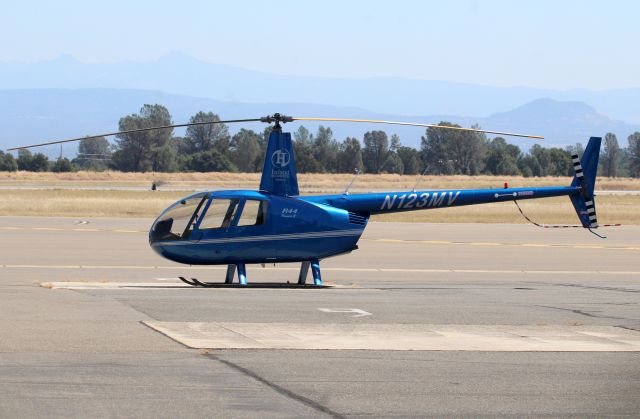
(635, 329)
(593, 287)
(279, 389)
(585, 313)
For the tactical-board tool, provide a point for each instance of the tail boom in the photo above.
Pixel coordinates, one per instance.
(388, 202)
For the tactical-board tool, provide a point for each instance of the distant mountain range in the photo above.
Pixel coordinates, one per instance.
(181, 74)
(64, 97)
(37, 115)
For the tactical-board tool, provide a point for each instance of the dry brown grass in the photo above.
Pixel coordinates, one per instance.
(83, 203)
(126, 203)
(311, 183)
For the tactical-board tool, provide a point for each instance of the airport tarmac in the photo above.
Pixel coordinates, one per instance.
(423, 320)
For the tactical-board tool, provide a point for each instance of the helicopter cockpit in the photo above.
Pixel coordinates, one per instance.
(202, 213)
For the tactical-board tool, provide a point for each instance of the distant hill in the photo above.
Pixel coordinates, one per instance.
(35, 115)
(181, 74)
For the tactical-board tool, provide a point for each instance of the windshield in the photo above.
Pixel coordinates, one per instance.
(179, 220)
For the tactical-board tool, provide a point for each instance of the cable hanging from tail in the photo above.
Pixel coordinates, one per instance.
(563, 225)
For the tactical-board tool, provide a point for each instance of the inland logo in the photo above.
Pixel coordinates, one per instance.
(280, 159)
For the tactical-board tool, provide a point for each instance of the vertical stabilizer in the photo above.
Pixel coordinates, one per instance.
(279, 175)
(585, 178)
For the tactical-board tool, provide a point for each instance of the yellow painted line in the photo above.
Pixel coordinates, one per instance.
(542, 245)
(90, 230)
(42, 266)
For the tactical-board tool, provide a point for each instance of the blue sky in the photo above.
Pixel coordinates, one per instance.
(550, 44)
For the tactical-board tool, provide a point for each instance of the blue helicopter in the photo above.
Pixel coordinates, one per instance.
(276, 225)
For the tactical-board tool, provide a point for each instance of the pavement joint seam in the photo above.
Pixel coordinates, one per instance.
(279, 389)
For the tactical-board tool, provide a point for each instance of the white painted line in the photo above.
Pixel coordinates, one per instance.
(356, 311)
(110, 285)
(400, 337)
(284, 268)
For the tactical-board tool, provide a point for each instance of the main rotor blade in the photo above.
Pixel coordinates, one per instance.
(131, 131)
(414, 124)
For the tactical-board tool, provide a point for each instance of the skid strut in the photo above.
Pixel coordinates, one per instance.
(315, 270)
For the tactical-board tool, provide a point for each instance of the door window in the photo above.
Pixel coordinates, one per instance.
(253, 213)
(220, 214)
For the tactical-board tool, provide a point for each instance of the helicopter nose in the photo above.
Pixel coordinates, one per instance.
(161, 230)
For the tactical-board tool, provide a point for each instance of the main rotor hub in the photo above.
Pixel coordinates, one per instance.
(277, 119)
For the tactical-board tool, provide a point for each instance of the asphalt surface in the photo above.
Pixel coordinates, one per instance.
(87, 351)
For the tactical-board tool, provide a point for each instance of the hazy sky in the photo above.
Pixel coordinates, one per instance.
(551, 44)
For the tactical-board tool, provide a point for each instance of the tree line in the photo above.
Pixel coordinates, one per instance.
(211, 148)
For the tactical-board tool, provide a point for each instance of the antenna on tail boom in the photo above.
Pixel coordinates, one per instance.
(355, 176)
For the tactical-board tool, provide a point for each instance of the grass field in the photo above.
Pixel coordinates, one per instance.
(55, 200)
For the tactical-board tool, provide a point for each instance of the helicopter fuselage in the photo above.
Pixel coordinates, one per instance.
(243, 226)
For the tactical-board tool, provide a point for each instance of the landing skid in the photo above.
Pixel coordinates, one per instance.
(195, 283)
(242, 276)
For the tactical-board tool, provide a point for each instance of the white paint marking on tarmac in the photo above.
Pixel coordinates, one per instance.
(356, 311)
(400, 337)
(109, 285)
(398, 270)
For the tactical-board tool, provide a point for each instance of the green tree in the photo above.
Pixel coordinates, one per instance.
(410, 160)
(633, 154)
(302, 134)
(62, 165)
(577, 149)
(93, 154)
(245, 150)
(376, 148)
(325, 150)
(446, 151)
(543, 161)
(350, 156)
(204, 137)
(7, 162)
(395, 143)
(610, 157)
(32, 162)
(210, 161)
(502, 158)
(393, 164)
(303, 150)
(144, 151)
(305, 160)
